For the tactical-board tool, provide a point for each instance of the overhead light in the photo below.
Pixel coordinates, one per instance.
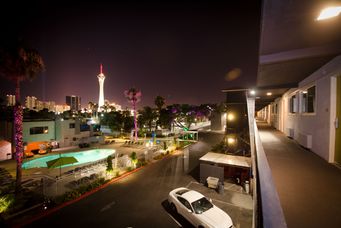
(305, 91)
(329, 12)
(252, 92)
(268, 94)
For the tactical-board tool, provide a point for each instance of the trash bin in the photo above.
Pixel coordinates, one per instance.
(220, 188)
(247, 187)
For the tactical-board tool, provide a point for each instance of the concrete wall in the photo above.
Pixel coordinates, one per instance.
(27, 137)
(218, 121)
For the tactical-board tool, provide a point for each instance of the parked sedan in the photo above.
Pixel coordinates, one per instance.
(197, 209)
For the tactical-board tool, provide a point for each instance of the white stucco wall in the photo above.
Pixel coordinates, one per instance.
(66, 135)
(27, 137)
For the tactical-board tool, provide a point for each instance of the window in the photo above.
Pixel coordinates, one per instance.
(185, 203)
(39, 130)
(308, 100)
(72, 125)
(84, 127)
(293, 104)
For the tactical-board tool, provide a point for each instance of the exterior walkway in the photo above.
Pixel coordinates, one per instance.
(309, 188)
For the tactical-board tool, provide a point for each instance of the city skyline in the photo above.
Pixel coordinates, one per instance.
(184, 52)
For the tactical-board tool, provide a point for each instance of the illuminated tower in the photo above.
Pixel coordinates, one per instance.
(101, 78)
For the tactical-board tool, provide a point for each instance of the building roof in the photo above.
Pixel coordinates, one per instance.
(225, 159)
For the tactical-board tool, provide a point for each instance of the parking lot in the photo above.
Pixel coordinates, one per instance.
(234, 201)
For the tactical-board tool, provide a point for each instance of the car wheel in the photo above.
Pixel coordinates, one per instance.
(173, 208)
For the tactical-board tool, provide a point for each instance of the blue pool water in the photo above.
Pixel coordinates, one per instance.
(82, 157)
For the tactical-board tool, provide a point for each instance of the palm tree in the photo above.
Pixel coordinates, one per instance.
(133, 96)
(18, 64)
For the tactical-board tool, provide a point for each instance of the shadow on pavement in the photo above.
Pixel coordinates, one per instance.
(195, 173)
(181, 221)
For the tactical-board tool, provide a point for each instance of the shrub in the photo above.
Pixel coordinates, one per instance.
(133, 159)
(109, 163)
(6, 202)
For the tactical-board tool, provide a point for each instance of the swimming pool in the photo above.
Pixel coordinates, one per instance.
(82, 157)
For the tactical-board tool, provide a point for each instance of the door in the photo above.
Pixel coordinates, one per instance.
(338, 122)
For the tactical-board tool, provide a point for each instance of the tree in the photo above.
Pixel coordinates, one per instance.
(159, 102)
(133, 96)
(18, 64)
(147, 116)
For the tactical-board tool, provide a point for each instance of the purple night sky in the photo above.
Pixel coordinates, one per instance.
(182, 52)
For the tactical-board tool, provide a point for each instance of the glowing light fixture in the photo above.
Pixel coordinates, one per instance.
(305, 92)
(329, 12)
(268, 94)
(230, 117)
(231, 141)
(252, 92)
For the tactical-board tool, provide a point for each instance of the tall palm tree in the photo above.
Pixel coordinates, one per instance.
(18, 64)
(133, 96)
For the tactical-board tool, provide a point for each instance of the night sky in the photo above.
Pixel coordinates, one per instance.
(183, 52)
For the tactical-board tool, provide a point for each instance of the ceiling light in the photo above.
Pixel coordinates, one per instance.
(268, 94)
(329, 12)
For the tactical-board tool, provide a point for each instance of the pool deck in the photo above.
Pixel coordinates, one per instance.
(120, 147)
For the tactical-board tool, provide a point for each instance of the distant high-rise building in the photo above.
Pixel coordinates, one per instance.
(10, 100)
(62, 108)
(31, 102)
(50, 105)
(101, 78)
(74, 102)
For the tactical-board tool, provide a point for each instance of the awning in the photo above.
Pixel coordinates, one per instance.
(224, 159)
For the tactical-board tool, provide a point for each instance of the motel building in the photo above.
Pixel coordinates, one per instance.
(310, 112)
(40, 134)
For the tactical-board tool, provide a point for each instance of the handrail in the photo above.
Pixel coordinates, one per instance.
(270, 213)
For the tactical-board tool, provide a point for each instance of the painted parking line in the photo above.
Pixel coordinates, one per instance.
(174, 220)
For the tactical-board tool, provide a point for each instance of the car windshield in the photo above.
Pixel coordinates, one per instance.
(201, 205)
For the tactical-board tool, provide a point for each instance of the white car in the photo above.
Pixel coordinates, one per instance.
(197, 209)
